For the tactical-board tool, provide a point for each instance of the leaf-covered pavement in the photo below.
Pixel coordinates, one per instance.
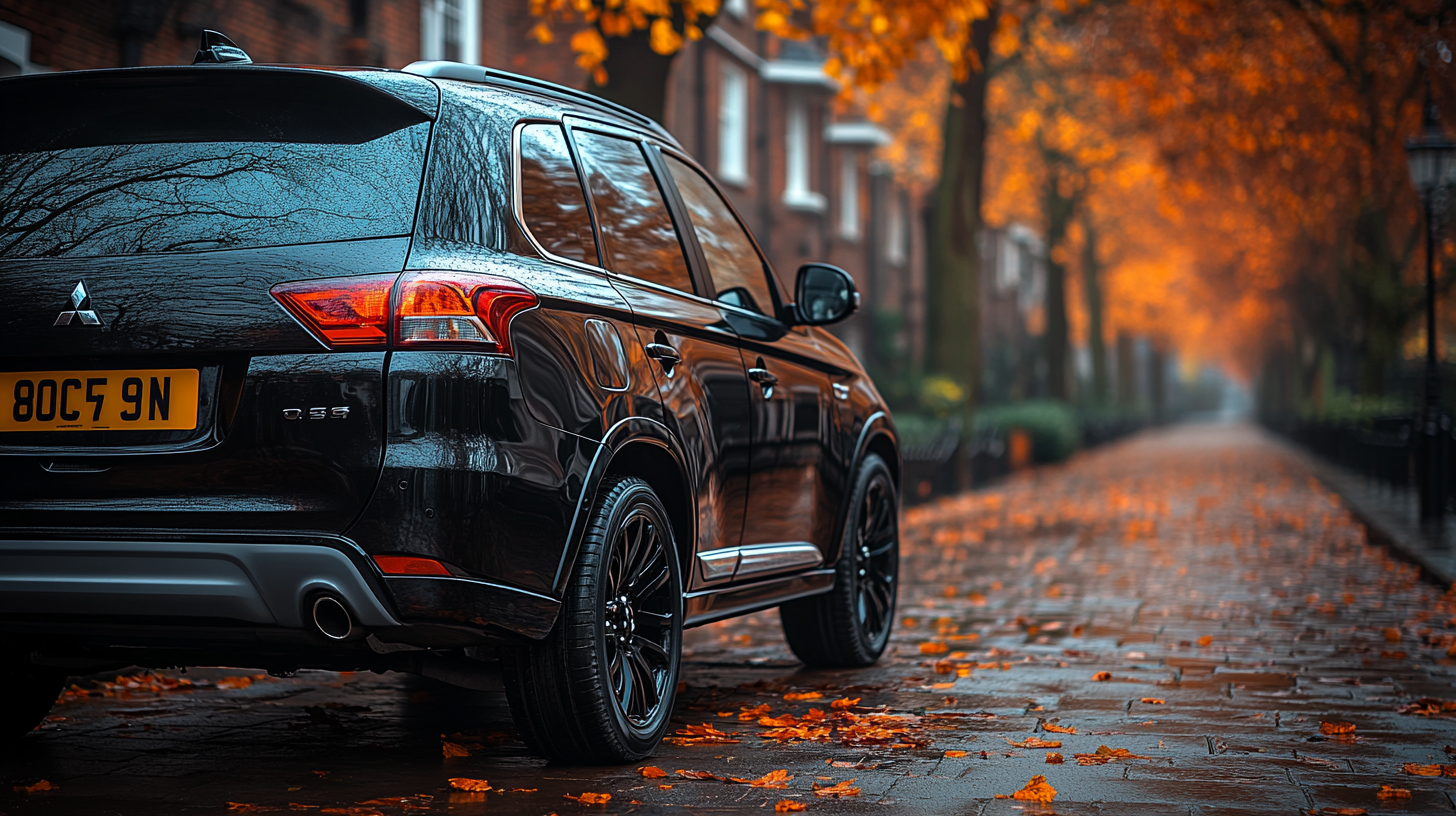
(1184, 622)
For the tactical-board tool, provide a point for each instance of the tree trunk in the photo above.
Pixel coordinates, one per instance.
(637, 75)
(1093, 288)
(1059, 211)
(952, 274)
(1127, 390)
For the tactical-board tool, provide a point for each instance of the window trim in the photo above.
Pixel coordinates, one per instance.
(850, 226)
(518, 210)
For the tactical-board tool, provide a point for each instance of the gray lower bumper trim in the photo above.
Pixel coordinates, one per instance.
(263, 584)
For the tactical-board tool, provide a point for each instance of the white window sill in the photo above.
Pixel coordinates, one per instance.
(739, 180)
(805, 201)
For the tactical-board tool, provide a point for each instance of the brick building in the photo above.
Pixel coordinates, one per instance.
(753, 108)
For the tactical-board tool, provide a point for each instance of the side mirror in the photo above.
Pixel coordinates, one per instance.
(823, 294)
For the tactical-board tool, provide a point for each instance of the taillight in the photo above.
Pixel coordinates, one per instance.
(409, 565)
(341, 311)
(458, 308)
(431, 309)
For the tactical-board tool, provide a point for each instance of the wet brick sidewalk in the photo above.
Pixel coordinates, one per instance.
(1191, 597)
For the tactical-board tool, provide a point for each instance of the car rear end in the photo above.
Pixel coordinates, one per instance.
(193, 357)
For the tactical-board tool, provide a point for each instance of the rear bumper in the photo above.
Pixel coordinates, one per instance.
(249, 583)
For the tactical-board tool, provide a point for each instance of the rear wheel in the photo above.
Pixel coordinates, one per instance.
(601, 687)
(850, 626)
(28, 692)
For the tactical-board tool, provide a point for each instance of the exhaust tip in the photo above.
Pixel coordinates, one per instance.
(331, 618)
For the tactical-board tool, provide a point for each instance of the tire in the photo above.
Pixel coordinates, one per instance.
(28, 692)
(850, 626)
(601, 687)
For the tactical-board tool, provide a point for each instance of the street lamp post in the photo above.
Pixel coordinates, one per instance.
(1432, 160)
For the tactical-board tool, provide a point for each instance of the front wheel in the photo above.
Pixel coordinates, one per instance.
(601, 687)
(850, 626)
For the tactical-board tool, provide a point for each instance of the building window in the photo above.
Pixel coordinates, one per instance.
(450, 30)
(733, 125)
(797, 160)
(737, 8)
(849, 195)
(895, 232)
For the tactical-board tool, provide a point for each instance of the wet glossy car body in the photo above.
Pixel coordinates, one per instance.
(320, 452)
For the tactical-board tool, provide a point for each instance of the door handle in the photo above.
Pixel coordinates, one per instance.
(763, 377)
(663, 353)
(841, 391)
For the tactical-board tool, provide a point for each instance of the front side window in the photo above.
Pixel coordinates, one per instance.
(734, 264)
(636, 228)
(553, 206)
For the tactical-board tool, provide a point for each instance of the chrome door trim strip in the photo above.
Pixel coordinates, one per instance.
(757, 559)
(718, 564)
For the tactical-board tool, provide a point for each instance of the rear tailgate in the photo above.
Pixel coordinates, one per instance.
(148, 380)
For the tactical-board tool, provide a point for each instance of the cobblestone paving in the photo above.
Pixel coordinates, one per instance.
(1190, 597)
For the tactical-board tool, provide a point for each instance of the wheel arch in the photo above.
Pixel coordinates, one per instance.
(876, 436)
(647, 450)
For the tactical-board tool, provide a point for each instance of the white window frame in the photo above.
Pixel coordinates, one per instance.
(798, 156)
(849, 194)
(433, 18)
(895, 232)
(732, 124)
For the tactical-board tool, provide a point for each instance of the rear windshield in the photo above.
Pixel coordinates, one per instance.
(200, 159)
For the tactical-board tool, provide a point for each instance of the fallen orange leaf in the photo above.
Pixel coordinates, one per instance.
(1387, 792)
(1337, 728)
(1035, 742)
(1105, 755)
(1151, 701)
(453, 749)
(467, 784)
(803, 695)
(845, 702)
(1342, 811)
(1416, 769)
(591, 798)
(1102, 676)
(39, 787)
(651, 772)
(704, 734)
(789, 806)
(752, 713)
(1392, 635)
(701, 775)
(1058, 729)
(772, 779)
(933, 647)
(955, 754)
(1053, 758)
(838, 789)
(1037, 790)
(1205, 640)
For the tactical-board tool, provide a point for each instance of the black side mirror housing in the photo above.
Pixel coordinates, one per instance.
(823, 294)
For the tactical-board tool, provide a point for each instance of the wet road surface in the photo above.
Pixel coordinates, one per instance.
(1190, 599)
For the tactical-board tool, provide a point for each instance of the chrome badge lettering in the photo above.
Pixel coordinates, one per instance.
(336, 412)
(80, 308)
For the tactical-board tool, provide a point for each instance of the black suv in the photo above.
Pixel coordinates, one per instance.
(447, 370)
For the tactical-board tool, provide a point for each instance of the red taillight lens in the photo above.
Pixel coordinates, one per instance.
(341, 311)
(458, 308)
(409, 565)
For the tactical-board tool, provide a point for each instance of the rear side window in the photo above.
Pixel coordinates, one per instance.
(737, 270)
(636, 228)
(175, 161)
(552, 203)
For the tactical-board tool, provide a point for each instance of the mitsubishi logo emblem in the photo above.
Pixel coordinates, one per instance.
(80, 307)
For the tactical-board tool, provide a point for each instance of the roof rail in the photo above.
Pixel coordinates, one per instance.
(445, 69)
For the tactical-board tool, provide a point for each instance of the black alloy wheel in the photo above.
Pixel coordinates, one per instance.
(601, 687)
(850, 626)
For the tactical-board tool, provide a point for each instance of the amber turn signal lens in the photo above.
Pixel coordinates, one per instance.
(459, 308)
(409, 565)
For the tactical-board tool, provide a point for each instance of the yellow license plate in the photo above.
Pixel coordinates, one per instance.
(138, 400)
